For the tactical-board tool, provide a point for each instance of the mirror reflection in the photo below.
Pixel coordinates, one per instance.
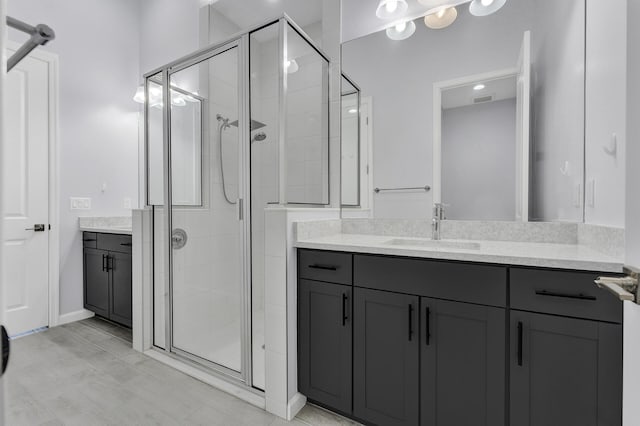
(350, 132)
(513, 149)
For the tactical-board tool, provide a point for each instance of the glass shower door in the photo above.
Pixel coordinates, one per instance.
(208, 249)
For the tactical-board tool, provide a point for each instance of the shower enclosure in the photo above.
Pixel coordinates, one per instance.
(230, 131)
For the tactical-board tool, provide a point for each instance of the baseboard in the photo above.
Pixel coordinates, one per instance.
(74, 316)
(295, 404)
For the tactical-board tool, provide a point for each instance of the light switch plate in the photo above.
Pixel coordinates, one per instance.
(77, 203)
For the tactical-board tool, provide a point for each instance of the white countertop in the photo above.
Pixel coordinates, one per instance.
(106, 224)
(105, 229)
(546, 255)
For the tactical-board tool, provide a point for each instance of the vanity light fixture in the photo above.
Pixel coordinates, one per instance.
(479, 87)
(442, 18)
(291, 66)
(485, 7)
(401, 30)
(391, 9)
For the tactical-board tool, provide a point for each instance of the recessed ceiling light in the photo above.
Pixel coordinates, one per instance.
(391, 9)
(485, 7)
(441, 19)
(479, 86)
(401, 30)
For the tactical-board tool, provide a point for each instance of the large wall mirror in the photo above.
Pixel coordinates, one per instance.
(486, 111)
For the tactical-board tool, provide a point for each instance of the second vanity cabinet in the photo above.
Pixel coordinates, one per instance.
(403, 341)
(108, 276)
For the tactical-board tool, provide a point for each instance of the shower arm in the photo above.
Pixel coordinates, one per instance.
(39, 36)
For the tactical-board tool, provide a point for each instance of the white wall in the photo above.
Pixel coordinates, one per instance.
(606, 88)
(399, 76)
(97, 43)
(478, 161)
(631, 386)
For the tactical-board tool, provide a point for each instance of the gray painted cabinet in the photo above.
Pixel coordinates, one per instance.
(325, 330)
(386, 358)
(462, 355)
(442, 343)
(108, 276)
(565, 371)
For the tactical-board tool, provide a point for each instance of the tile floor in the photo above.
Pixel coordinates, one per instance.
(86, 373)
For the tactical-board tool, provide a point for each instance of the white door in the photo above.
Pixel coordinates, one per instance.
(26, 196)
(523, 104)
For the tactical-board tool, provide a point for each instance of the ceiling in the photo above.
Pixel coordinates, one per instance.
(359, 16)
(247, 13)
(500, 89)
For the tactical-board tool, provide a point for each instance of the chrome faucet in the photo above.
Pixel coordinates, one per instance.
(438, 216)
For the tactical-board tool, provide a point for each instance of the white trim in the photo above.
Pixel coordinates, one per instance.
(74, 316)
(238, 391)
(438, 88)
(295, 404)
(54, 181)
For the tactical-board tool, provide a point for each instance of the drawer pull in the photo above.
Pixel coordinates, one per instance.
(324, 267)
(89, 239)
(565, 295)
(126, 244)
(520, 343)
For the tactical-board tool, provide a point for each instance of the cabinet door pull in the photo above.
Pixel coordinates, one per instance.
(427, 325)
(324, 267)
(344, 308)
(126, 244)
(104, 262)
(519, 343)
(89, 239)
(109, 263)
(565, 295)
(410, 321)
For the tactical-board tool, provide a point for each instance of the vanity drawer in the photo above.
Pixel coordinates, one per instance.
(463, 282)
(89, 240)
(330, 266)
(115, 242)
(566, 293)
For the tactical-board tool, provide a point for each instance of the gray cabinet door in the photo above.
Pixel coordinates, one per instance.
(386, 358)
(565, 371)
(120, 309)
(463, 368)
(96, 281)
(324, 339)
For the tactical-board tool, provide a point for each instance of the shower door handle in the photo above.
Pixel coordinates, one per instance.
(240, 209)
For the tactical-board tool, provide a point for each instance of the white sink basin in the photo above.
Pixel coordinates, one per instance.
(435, 244)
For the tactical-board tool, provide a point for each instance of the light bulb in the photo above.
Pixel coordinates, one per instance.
(441, 13)
(485, 7)
(291, 66)
(391, 6)
(441, 19)
(479, 86)
(401, 27)
(401, 30)
(486, 3)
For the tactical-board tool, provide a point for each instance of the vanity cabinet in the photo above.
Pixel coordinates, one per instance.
(462, 364)
(386, 357)
(107, 279)
(325, 330)
(566, 353)
(443, 343)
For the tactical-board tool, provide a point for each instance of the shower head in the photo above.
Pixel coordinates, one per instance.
(255, 124)
(259, 137)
